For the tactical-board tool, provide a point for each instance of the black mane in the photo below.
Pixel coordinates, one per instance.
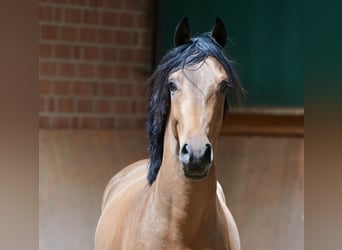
(193, 52)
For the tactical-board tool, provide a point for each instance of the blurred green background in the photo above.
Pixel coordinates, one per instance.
(265, 41)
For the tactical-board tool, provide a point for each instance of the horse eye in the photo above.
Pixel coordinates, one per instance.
(223, 86)
(172, 86)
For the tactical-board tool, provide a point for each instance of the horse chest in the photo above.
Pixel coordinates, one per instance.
(157, 232)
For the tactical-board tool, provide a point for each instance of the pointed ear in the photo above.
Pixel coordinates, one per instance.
(219, 32)
(183, 32)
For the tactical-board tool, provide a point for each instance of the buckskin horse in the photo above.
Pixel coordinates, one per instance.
(173, 200)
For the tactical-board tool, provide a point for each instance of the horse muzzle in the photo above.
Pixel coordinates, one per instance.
(196, 162)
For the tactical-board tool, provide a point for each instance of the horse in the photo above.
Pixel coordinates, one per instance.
(173, 200)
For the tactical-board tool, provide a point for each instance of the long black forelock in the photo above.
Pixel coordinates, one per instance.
(195, 51)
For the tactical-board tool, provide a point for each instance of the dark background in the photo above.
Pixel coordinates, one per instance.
(266, 42)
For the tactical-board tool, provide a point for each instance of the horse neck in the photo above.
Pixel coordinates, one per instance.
(184, 202)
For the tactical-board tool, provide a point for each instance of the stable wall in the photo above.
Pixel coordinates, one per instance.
(94, 59)
(262, 177)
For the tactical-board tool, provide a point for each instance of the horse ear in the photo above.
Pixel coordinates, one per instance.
(219, 32)
(183, 32)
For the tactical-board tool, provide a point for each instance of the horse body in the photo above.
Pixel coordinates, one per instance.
(127, 223)
(180, 205)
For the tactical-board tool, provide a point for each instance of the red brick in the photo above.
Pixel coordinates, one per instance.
(62, 87)
(57, 14)
(108, 89)
(136, 5)
(90, 16)
(90, 53)
(84, 105)
(51, 104)
(77, 2)
(104, 36)
(146, 39)
(127, 19)
(95, 87)
(109, 19)
(140, 73)
(45, 87)
(88, 122)
(65, 105)
(139, 122)
(103, 106)
(44, 122)
(74, 122)
(62, 51)
(127, 55)
(86, 70)
(45, 13)
(48, 32)
(143, 21)
(58, 1)
(84, 88)
(122, 122)
(106, 123)
(47, 69)
(109, 54)
(69, 33)
(143, 56)
(81, 88)
(125, 89)
(76, 52)
(45, 50)
(87, 35)
(122, 107)
(104, 71)
(139, 107)
(117, 4)
(81, 60)
(66, 69)
(42, 104)
(72, 15)
(95, 3)
(127, 38)
(141, 89)
(59, 122)
(122, 72)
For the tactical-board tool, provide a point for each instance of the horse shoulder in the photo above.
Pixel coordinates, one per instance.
(119, 198)
(124, 179)
(234, 238)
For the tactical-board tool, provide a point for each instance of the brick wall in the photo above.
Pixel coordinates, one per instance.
(94, 59)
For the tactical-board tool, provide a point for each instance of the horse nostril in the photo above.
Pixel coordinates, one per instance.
(186, 154)
(185, 149)
(196, 158)
(207, 153)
